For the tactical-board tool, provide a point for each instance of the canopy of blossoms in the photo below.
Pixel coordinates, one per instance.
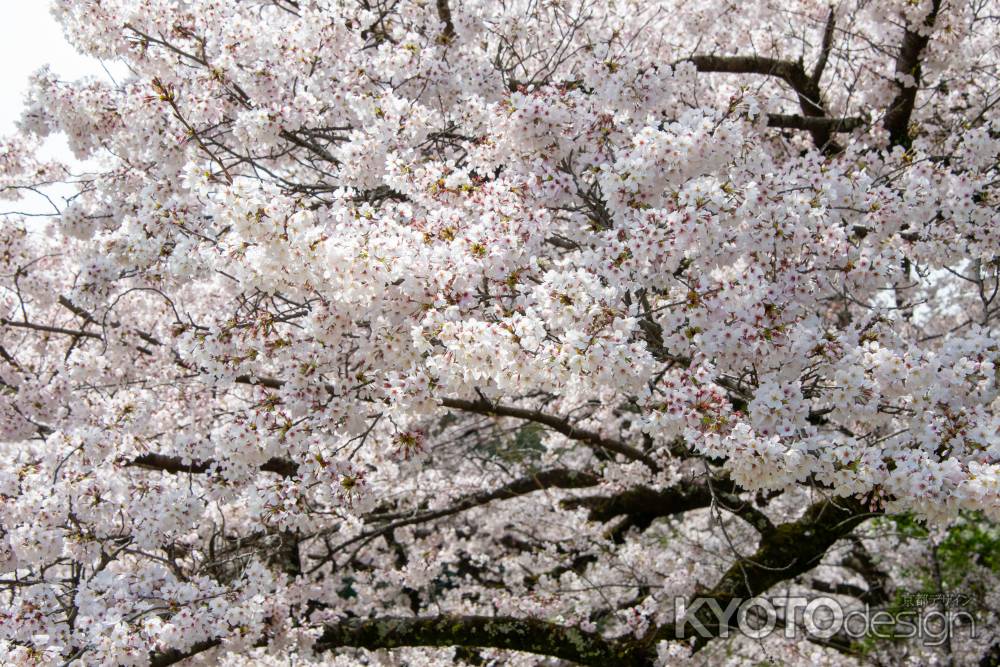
(426, 332)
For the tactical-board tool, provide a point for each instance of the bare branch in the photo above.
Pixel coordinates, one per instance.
(176, 465)
(444, 13)
(897, 118)
(173, 656)
(558, 424)
(785, 552)
(814, 123)
(806, 89)
(561, 478)
(516, 634)
(824, 51)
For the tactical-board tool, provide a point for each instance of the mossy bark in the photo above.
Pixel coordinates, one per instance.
(516, 634)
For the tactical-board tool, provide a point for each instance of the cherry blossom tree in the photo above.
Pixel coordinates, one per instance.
(494, 332)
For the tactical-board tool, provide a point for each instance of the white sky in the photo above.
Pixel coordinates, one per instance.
(29, 39)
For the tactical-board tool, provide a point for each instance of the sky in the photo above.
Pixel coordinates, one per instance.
(30, 38)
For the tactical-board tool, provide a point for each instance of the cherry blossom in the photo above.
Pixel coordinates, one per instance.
(439, 333)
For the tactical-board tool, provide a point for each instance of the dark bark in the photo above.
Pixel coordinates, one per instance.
(814, 123)
(516, 634)
(444, 13)
(897, 118)
(173, 656)
(176, 465)
(558, 424)
(806, 88)
(787, 551)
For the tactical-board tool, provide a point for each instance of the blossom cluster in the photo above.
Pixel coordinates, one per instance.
(343, 276)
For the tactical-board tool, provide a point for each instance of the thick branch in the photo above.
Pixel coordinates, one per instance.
(792, 548)
(173, 656)
(792, 73)
(644, 504)
(558, 478)
(176, 465)
(557, 424)
(745, 510)
(827, 46)
(814, 123)
(444, 13)
(515, 634)
(897, 118)
(787, 551)
(839, 588)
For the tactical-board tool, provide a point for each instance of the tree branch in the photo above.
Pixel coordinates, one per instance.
(173, 656)
(175, 465)
(444, 14)
(861, 561)
(814, 123)
(839, 588)
(644, 504)
(557, 478)
(515, 634)
(47, 329)
(825, 48)
(792, 548)
(557, 424)
(806, 89)
(897, 118)
(787, 551)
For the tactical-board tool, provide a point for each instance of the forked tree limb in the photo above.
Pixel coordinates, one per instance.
(908, 64)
